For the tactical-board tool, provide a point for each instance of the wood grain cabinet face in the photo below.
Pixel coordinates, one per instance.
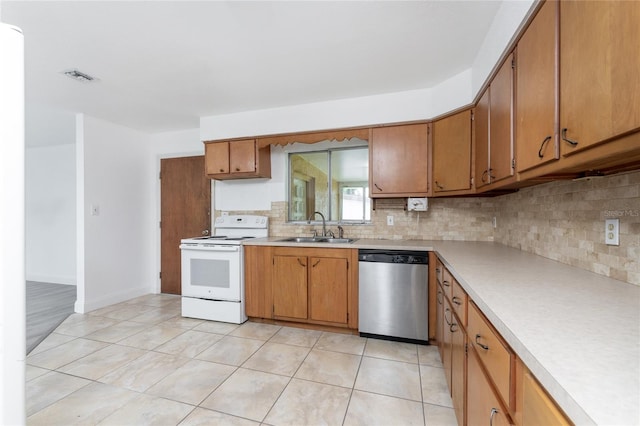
(451, 139)
(536, 84)
(537, 407)
(398, 161)
(237, 160)
(599, 72)
(483, 405)
(290, 286)
(494, 129)
(313, 287)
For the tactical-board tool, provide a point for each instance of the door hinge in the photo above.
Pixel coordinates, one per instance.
(160, 274)
(466, 348)
(513, 63)
(473, 115)
(513, 163)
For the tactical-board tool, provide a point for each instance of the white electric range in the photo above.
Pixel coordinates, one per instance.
(213, 269)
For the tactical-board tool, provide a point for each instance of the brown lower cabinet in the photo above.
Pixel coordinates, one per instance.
(488, 383)
(302, 284)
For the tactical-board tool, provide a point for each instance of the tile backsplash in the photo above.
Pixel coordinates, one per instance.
(562, 220)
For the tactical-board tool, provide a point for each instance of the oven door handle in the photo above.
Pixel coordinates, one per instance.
(209, 247)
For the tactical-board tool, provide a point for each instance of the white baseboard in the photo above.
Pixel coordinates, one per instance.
(51, 279)
(84, 306)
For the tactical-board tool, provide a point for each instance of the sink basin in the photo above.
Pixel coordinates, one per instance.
(318, 240)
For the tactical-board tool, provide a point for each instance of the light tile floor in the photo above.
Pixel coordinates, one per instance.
(139, 362)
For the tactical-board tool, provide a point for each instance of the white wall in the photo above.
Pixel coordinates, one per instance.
(50, 213)
(12, 271)
(115, 258)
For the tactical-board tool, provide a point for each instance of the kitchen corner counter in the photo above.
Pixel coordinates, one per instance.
(577, 331)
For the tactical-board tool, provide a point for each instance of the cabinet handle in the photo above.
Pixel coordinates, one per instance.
(316, 264)
(439, 186)
(377, 187)
(485, 347)
(456, 300)
(445, 316)
(439, 297)
(494, 411)
(438, 270)
(301, 264)
(446, 283)
(221, 170)
(566, 139)
(490, 175)
(544, 142)
(237, 169)
(484, 175)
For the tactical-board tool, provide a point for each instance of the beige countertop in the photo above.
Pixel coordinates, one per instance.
(577, 331)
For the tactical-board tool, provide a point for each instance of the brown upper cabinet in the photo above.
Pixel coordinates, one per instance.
(240, 159)
(599, 72)
(494, 130)
(536, 85)
(398, 161)
(451, 142)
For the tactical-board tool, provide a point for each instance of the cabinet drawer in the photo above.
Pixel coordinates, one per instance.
(459, 301)
(493, 353)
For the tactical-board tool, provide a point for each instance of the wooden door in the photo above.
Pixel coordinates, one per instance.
(501, 123)
(446, 346)
(537, 407)
(242, 156)
(290, 286)
(452, 153)
(398, 160)
(599, 71)
(328, 288)
(481, 123)
(185, 206)
(536, 69)
(217, 157)
(440, 320)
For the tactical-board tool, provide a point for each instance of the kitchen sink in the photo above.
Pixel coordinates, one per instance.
(317, 240)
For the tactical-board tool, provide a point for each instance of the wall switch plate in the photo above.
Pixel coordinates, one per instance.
(95, 210)
(390, 220)
(612, 232)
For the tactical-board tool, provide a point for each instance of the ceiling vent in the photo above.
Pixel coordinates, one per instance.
(79, 76)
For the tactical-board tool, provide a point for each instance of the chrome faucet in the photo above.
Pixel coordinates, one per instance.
(324, 222)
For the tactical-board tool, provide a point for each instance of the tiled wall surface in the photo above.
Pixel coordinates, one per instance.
(565, 221)
(561, 220)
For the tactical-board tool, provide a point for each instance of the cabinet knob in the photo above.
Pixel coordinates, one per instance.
(237, 169)
(439, 186)
(221, 170)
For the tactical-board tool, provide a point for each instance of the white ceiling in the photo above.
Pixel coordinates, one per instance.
(164, 64)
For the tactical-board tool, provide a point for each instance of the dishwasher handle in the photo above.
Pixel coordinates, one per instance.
(394, 256)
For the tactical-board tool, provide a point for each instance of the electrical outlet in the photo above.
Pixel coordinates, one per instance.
(95, 210)
(612, 232)
(390, 220)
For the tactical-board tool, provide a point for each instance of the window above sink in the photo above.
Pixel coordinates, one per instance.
(331, 178)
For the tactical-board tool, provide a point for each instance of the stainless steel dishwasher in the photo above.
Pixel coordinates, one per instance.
(393, 295)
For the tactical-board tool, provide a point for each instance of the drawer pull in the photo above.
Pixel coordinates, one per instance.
(439, 297)
(485, 347)
(456, 300)
(494, 411)
(301, 264)
(544, 142)
(446, 283)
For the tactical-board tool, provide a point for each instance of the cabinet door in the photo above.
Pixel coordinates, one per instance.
(481, 123)
(458, 370)
(537, 407)
(536, 65)
(483, 406)
(242, 156)
(447, 335)
(289, 282)
(599, 71)
(328, 289)
(452, 153)
(398, 160)
(501, 123)
(216, 156)
(440, 324)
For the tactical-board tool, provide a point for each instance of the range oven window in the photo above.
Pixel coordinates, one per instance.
(210, 273)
